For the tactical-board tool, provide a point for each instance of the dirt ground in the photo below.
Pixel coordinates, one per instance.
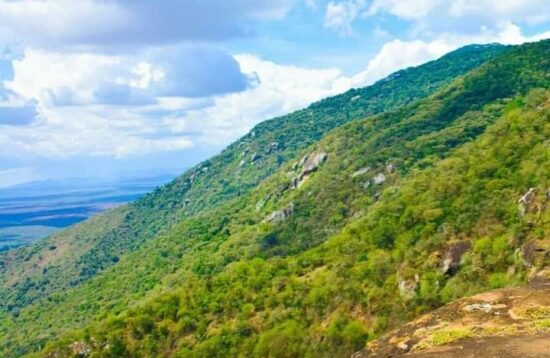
(537, 346)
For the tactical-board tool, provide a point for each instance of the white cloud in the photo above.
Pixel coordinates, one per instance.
(170, 124)
(433, 17)
(131, 23)
(398, 54)
(80, 79)
(405, 9)
(528, 11)
(339, 16)
(174, 123)
(279, 90)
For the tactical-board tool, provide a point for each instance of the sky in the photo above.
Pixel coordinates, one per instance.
(101, 88)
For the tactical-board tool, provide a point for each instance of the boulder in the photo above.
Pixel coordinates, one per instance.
(379, 178)
(280, 215)
(361, 171)
(308, 163)
(453, 255)
(313, 162)
(390, 168)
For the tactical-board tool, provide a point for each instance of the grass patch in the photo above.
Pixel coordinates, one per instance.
(538, 312)
(444, 337)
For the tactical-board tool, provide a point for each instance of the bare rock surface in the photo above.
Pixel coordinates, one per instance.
(510, 322)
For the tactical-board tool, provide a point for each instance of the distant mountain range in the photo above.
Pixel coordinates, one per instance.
(35, 210)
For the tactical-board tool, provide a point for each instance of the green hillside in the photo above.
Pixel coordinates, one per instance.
(72, 257)
(260, 253)
(83, 251)
(346, 262)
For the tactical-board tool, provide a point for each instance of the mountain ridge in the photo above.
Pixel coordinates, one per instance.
(233, 242)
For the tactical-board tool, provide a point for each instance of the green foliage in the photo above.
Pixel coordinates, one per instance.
(224, 282)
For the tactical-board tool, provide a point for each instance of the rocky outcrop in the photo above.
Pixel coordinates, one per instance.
(536, 254)
(452, 257)
(360, 172)
(272, 147)
(510, 322)
(407, 287)
(379, 179)
(525, 203)
(280, 215)
(308, 164)
(313, 161)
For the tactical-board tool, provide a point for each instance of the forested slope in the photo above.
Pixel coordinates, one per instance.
(330, 249)
(74, 256)
(444, 223)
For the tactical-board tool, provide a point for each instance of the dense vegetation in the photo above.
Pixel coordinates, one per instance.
(32, 272)
(348, 259)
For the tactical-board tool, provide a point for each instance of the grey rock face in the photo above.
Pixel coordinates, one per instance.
(313, 162)
(526, 201)
(280, 215)
(451, 260)
(309, 163)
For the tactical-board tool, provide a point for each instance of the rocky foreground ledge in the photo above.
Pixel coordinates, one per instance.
(509, 322)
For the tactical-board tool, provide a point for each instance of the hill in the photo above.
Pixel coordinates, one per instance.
(356, 230)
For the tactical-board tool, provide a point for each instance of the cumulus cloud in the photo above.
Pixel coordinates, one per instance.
(171, 123)
(175, 123)
(431, 17)
(280, 89)
(187, 93)
(83, 79)
(18, 115)
(398, 54)
(528, 11)
(127, 23)
(195, 71)
(14, 109)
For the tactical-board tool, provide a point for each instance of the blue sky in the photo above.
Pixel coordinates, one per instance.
(103, 88)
